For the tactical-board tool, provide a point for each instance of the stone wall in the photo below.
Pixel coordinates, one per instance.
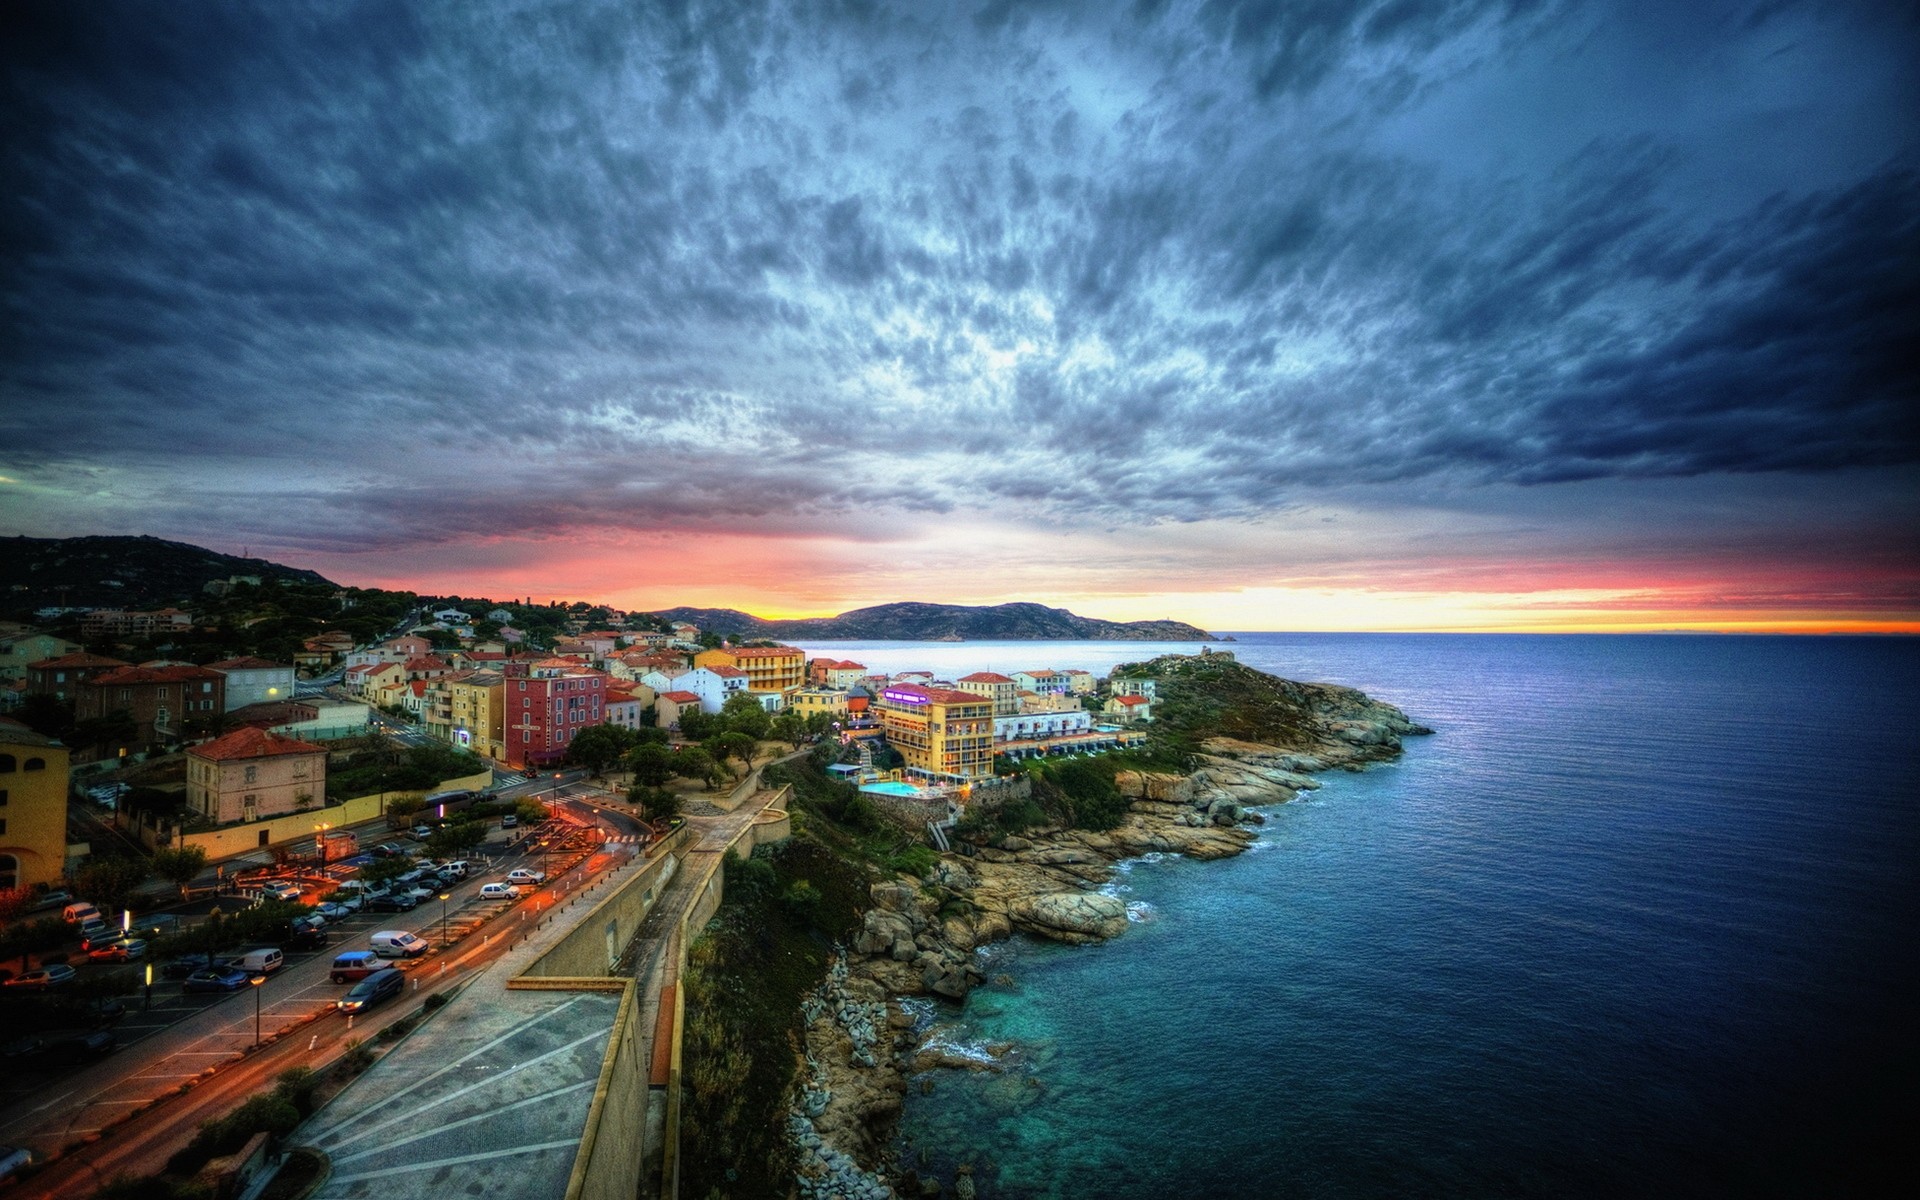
(597, 939)
(607, 1165)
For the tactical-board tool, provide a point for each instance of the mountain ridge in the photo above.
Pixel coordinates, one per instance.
(920, 621)
(121, 572)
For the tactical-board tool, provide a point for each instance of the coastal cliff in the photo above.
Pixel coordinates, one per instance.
(918, 622)
(1241, 740)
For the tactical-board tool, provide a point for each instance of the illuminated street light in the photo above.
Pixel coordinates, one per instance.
(443, 920)
(257, 981)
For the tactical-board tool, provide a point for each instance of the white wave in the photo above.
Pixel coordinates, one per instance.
(1140, 912)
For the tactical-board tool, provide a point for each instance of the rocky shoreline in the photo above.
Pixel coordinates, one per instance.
(919, 937)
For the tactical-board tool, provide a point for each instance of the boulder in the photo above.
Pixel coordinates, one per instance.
(894, 897)
(1076, 917)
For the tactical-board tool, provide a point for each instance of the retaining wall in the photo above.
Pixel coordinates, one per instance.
(597, 939)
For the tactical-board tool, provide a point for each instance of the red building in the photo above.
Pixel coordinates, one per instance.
(61, 677)
(161, 700)
(548, 703)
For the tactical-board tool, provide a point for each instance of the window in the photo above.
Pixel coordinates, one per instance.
(9, 871)
(36, 764)
(253, 775)
(3, 827)
(8, 764)
(3, 797)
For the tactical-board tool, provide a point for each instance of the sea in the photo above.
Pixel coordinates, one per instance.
(1637, 920)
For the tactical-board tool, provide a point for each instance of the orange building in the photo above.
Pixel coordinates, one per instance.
(769, 668)
(941, 733)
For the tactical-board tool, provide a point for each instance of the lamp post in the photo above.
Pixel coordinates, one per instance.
(257, 981)
(321, 844)
(149, 1004)
(443, 920)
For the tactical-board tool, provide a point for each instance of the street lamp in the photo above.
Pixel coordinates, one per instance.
(257, 980)
(149, 1004)
(322, 845)
(443, 920)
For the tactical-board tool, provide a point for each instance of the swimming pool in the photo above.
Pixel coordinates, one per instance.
(891, 788)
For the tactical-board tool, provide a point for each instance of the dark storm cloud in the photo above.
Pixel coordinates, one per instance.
(391, 272)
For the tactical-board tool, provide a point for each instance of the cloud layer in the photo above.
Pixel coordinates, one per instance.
(331, 277)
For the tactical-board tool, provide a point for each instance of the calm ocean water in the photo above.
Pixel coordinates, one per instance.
(1637, 921)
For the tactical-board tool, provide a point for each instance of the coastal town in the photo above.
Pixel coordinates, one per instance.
(334, 770)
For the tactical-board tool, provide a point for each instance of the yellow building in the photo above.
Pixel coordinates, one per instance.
(33, 807)
(768, 668)
(1000, 689)
(810, 700)
(20, 646)
(945, 734)
(469, 709)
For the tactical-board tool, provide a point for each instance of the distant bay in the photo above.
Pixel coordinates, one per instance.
(1637, 921)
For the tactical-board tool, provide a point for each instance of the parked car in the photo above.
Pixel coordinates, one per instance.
(389, 850)
(398, 943)
(14, 1160)
(355, 965)
(52, 899)
(104, 937)
(125, 950)
(499, 891)
(381, 985)
(216, 979)
(526, 877)
(391, 902)
(51, 975)
(308, 936)
(76, 1046)
(335, 910)
(261, 960)
(457, 868)
(79, 912)
(185, 965)
(510, 821)
(420, 833)
(278, 889)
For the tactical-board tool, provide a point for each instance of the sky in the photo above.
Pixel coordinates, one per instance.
(1292, 316)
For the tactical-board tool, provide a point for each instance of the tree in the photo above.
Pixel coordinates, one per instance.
(789, 726)
(44, 714)
(695, 763)
(652, 764)
(456, 838)
(657, 803)
(382, 869)
(27, 938)
(650, 735)
(731, 745)
(709, 640)
(698, 726)
(598, 747)
(108, 733)
(111, 882)
(180, 866)
(744, 714)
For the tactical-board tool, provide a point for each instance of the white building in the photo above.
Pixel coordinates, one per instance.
(1023, 726)
(254, 681)
(712, 684)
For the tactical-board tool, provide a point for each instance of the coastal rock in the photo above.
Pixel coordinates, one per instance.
(1076, 917)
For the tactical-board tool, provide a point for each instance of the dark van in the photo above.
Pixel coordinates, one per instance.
(381, 985)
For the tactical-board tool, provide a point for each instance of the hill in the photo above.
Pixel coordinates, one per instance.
(120, 572)
(915, 622)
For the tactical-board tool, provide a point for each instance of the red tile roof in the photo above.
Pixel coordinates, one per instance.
(248, 663)
(680, 697)
(765, 651)
(617, 696)
(984, 677)
(426, 662)
(77, 660)
(127, 676)
(252, 743)
(726, 672)
(1131, 701)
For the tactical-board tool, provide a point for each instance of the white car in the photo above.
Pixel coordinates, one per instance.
(334, 910)
(522, 875)
(499, 891)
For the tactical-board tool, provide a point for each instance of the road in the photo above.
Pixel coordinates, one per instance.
(184, 1038)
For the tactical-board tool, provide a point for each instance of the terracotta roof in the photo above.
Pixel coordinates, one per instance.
(681, 697)
(765, 651)
(126, 676)
(252, 743)
(426, 662)
(726, 672)
(77, 660)
(419, 687)
(1130, 701)
(248, 663)
(618, 696)
(984, 677)
(940, 695)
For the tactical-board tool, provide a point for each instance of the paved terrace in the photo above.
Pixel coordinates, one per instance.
(490, 1096)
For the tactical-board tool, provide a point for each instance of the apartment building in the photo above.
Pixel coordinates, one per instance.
(940, 733)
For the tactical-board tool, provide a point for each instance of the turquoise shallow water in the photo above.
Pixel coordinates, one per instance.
(1635, 922)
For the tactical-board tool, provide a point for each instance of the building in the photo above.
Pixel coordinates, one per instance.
(1021, 727)
(33, 807)
(835, 673)
(254, 681)
(714, 685)
(1131, 708)
(547, 704)
(1132, 687)
(623, 708)
(810, 700)
(323, 650)
(21, 649)
(1043, 681)
(251, 774)
(61, 677)
(1080, 683)
(367, 680)
(427, 666)
(114, 622)
(669, 706)
(768, 668)
(943, 734)
(1000, 689)
(161, 700)
(394, 650)
(467, 709)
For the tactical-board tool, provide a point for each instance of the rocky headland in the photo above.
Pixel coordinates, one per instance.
(1254, 741)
